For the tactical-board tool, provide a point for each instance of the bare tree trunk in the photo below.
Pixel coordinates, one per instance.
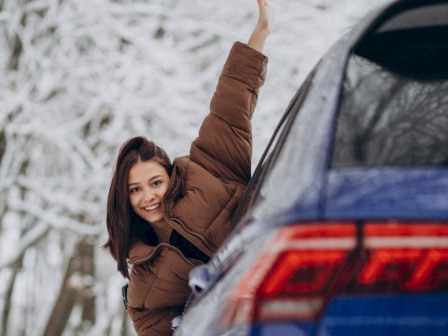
(2, 145)
(87, 269)
(8, 297)
(17, 48)
(3, 208)
(64, 303)
(75, 290)
(19, 263)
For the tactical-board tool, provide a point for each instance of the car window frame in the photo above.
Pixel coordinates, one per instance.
(243, 213)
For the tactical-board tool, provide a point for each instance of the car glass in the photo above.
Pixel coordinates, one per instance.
(387, 120)
(272, 193)
(261, 168)
(394, 105)
(256, 190)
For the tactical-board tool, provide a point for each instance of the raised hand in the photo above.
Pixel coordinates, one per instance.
(266, 16)
(264, 26)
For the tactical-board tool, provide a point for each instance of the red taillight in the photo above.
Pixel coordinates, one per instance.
(404, 257)
(289, 277)
(286, 277)
(304, 265)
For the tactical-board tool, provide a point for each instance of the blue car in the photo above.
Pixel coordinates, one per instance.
(344, 227)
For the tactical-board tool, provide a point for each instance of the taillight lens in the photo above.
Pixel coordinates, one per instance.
(403, 257)
(304, 265)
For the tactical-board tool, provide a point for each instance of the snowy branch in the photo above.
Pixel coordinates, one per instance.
(54, 220)
(30, 239)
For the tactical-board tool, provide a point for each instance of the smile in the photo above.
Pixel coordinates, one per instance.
(152, 207)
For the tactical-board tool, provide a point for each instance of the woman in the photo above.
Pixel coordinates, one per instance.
(164, 219)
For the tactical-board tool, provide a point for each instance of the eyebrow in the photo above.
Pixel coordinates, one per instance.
(152, 178)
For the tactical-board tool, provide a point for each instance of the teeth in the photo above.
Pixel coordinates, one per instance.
(152, 207)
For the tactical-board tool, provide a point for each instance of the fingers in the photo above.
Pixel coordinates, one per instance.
(266, 15)
(263, 27)
(262, 3)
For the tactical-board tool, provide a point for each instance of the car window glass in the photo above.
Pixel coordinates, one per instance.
(387, 119)
(261, 167)
(394, 106)
(272, 191)
(255, 192)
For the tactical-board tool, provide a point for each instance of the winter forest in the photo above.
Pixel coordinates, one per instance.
(78, 78)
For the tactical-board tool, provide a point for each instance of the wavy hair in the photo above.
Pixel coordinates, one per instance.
(123, 224)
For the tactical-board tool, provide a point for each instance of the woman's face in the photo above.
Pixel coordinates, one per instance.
(148, 182)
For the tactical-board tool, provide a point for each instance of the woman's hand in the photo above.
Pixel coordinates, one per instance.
(264, 26)
(265, 16)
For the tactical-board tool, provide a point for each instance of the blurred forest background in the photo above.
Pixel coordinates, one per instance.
(78, 78)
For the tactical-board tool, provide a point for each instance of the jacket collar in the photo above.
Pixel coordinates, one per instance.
(140, 252)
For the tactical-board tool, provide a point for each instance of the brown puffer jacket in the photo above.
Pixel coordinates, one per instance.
(205, 188)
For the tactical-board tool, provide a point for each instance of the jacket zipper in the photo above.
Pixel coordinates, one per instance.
(197, 235)
(171, 247)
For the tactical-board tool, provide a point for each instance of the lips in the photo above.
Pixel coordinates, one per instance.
(152, 208)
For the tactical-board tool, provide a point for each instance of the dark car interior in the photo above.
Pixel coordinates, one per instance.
(411, 47)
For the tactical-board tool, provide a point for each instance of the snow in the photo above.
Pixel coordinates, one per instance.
(92, 74)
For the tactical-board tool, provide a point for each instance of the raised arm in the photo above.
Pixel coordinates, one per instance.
(264, 26)
(224, 144)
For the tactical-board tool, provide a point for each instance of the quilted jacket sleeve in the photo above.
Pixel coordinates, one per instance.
(224, 144)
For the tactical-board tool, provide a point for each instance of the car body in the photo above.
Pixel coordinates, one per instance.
(344, 227)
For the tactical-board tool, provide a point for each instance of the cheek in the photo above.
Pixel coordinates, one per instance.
(163, 191)
(133, 200)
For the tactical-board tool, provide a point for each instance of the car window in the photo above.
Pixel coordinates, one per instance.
(386, 119)
(261, 168)
(394, 106)
(260, 189)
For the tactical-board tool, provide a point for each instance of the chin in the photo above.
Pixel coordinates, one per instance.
(151, 219)
(156, 219)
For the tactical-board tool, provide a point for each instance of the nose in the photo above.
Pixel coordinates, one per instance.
(149, 195)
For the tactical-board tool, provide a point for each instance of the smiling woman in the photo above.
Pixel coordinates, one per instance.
(140, 181)
(164, 219)
(148, 183)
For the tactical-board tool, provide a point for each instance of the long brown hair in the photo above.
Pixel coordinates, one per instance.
(123, 224)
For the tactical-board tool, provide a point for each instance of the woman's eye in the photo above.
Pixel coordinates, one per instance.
(134, 190)
(156, 183)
